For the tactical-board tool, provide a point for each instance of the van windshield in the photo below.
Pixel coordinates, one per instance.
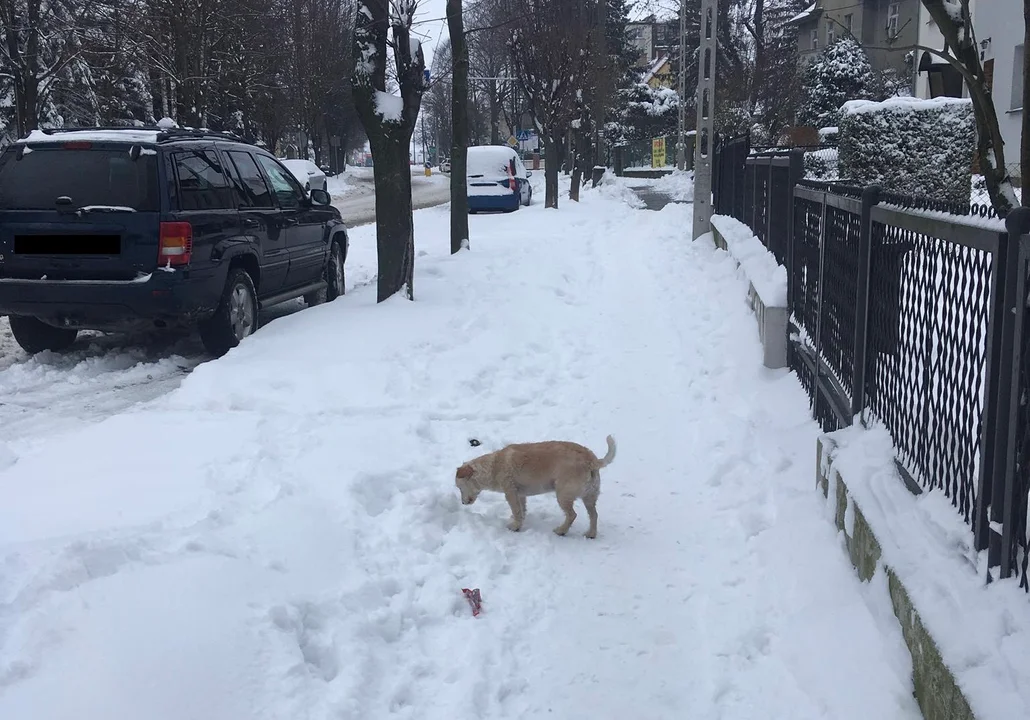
(90, 177)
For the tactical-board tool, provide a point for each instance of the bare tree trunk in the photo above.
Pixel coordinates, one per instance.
(459, 126)
(389, 128)
(581, 154)
(26, 74)
(603, 83)
(756, 80)
(1024, 154)
(495, 113)
(395, 232)
(551, 162)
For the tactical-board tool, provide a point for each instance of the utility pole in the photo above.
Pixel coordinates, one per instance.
(681, 141)
(705, 139)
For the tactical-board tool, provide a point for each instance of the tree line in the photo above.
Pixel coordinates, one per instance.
(258, 68)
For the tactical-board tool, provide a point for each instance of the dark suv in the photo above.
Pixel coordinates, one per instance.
(128, 228)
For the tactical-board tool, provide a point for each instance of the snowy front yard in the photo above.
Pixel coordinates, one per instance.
(281, 537)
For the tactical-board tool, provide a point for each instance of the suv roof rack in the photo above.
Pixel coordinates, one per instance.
(164, 134)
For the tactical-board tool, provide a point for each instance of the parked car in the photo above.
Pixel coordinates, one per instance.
(125, 229)
(309, 175)
(497, 179)
(445, 165)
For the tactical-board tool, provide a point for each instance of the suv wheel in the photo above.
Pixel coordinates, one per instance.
(36, 336)
(236, 316)
(333, 276)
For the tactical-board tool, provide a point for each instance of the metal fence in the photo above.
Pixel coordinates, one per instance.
(906, 314)
(637, 154)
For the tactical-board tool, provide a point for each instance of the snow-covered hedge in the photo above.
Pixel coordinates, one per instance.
(645, 113)
(909, 146)
(822, 164)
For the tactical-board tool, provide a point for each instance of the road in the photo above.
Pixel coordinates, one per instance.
(104, 375)
(358, 204)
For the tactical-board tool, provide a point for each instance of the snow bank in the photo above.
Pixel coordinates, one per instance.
(761, 268)
(982, 631)
(678, 185)
(909, 146)
(616, 189)
(338, 184)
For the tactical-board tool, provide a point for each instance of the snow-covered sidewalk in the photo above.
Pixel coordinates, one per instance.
(281, 537)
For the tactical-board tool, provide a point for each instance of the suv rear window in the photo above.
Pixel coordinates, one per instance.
(202, 182)
(88, 177)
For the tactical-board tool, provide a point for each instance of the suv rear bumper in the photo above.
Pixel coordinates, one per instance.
(161, 299)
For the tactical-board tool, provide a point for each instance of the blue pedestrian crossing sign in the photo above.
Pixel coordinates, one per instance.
(523, 135)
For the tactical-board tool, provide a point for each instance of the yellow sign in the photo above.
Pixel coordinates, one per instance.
(513, 141)
(658, 152)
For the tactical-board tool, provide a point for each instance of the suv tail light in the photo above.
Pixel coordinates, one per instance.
(176, 244)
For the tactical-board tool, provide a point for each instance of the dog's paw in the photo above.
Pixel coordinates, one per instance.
(560, 531)
(514, 525)
(590, 534)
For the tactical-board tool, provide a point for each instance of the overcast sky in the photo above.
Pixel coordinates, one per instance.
(429, 28)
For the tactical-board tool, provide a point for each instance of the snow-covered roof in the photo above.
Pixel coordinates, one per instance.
(807, 14)
(127, 135)
(652, 70)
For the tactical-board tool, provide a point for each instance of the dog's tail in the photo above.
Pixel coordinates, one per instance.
(609, 456)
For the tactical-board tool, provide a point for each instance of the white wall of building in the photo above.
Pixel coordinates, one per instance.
(930, 36)
(999, 30)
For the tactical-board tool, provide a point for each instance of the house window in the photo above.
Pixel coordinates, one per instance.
(829, 33)
(815, 39)
(1017, 79)
(849, 21)
(893, 13)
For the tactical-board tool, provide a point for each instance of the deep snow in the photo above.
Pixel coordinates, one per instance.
(930, 548)
(281, 538)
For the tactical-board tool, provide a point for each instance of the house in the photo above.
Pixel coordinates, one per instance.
(659, 73)
(1000, 35)
(651, 38)
(935, 77)
(886, 29)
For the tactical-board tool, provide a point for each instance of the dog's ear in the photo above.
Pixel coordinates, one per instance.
(465, 472)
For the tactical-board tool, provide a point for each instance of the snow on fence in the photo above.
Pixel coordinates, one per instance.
(767, 293)
(904, 314)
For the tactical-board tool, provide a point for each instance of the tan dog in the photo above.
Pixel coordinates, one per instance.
(567, 469)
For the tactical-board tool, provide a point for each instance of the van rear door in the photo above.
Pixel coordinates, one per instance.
(79, 211)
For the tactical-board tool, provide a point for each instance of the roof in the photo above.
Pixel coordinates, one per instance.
(654, 67)
(809, 13)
